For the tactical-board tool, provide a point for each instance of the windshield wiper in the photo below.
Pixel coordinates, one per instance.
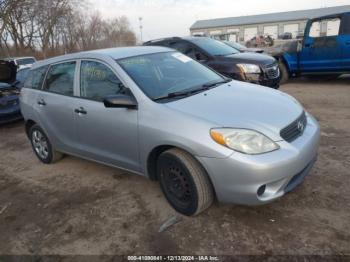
(189, 92)
(217, 83)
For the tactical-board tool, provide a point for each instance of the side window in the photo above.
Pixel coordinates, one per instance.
(60, 78)
(98, 81)
(181, 46)
(315, 29)
(333, 26)
(326, 27)
(35, 78)
(197, 55)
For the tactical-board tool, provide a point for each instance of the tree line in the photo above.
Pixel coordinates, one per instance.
(46, 28)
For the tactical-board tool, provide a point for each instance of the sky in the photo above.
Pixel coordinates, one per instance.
(164, 18)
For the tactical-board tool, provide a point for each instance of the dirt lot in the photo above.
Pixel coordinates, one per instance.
(80, 207)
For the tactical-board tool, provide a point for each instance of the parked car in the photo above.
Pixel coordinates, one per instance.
(242, 48)
(286, 36)
(22, 62)
(9, 93)
(318, 55)
(249, 67)
(161, 114)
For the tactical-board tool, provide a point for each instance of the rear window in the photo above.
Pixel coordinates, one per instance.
(35, 78)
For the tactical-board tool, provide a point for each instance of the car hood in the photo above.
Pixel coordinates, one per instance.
(249, 57)
(242, 105)
(8, 72)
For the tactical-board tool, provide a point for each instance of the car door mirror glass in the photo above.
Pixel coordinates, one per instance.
(120, 101)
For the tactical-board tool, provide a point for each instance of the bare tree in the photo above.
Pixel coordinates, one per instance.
(52, 27)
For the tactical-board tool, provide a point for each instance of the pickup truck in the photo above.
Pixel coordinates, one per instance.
(324, 52)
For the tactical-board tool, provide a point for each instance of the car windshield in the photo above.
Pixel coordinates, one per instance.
(214, 47)
(236, 45)
(161, 74)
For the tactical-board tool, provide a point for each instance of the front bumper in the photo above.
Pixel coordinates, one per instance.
(10, 114)
(259, 179)
(262, 80)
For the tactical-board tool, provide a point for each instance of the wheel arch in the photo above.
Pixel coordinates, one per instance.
(155, 153)
(28, 124)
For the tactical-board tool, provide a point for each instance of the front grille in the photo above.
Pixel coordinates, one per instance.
(272, 71)
(295, 129)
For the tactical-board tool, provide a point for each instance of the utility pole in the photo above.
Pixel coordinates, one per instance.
(141, 27)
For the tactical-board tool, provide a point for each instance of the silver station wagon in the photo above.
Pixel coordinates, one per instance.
(158, 113)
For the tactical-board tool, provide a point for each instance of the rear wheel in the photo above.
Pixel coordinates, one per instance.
(42, 146)
(284, 72)
(184, 182)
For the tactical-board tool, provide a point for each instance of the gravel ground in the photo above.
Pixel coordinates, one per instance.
(80, 207)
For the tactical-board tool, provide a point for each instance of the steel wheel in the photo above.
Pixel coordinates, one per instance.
(178, 187)
(184, 182)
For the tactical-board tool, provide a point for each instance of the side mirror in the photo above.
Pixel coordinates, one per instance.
(120, 101)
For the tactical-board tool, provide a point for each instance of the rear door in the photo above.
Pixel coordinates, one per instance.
(345, 41)
(322, 49)
(108, 135)
(55, 106)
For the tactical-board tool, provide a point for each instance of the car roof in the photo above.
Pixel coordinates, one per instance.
(114, 53)
(188, 38)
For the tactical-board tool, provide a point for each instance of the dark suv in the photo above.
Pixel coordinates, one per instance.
(249, 67)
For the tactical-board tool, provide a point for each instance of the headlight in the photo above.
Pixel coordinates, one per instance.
(243, 140)
(249, 68)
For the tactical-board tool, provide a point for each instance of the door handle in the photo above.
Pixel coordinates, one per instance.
(41, 102)
(80, 111)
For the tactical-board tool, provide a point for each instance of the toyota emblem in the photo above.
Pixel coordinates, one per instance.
(300, 126)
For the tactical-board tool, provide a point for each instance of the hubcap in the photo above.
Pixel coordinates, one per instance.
(40, 144)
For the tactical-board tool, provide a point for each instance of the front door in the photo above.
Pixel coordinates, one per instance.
(55, 106)
(108, 135)
(321, 51)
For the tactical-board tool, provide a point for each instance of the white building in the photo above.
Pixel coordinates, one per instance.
(244, 28)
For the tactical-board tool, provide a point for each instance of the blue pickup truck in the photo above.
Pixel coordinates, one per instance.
(324, 51)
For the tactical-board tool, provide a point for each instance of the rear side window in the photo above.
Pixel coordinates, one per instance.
(98, 81)
(60, 78)
(35, 78)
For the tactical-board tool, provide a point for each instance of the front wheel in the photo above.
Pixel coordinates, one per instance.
(184, 182)
(284, 72)
(42, 147)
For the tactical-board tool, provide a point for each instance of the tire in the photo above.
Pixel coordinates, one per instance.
(284, 72)
(184, 182)
(42, 147)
